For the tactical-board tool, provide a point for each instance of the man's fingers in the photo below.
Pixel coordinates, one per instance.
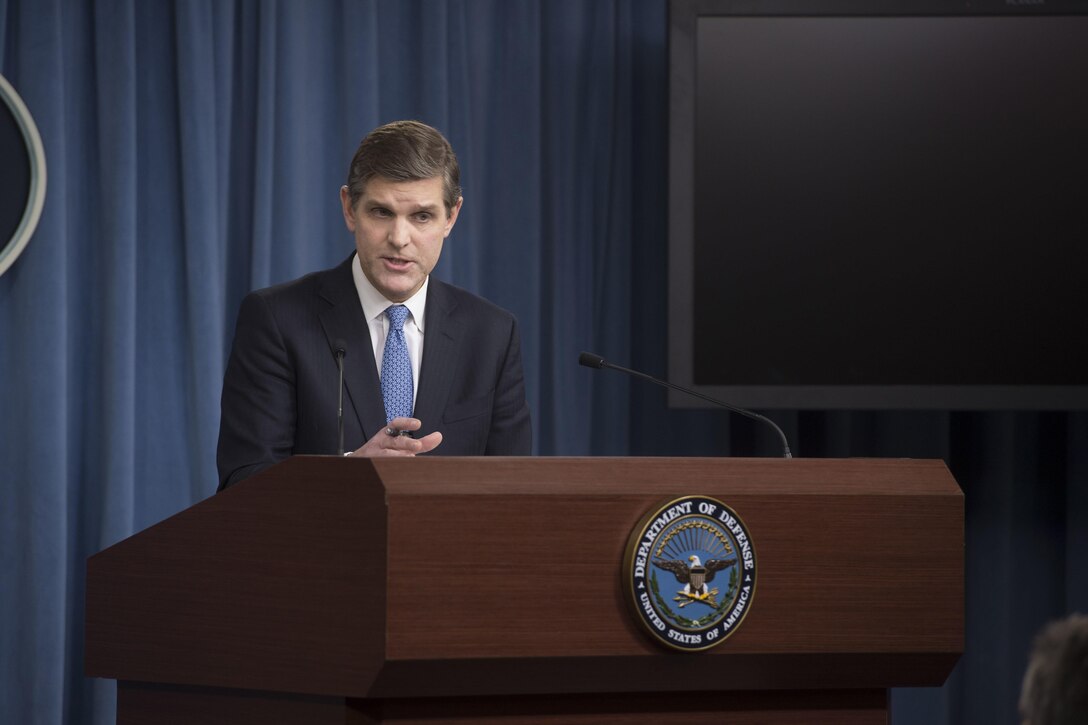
(389, 442)
(429, 442)
(410, 424)
(411, 446)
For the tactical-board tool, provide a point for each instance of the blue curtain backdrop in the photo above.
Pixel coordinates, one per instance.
(195, 150)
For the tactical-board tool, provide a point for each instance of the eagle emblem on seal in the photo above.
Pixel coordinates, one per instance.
(695, 576)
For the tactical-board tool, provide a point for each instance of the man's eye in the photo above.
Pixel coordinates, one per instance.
(423, 216)
(379, 211)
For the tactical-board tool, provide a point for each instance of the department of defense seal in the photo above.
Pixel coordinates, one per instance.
(690, 572)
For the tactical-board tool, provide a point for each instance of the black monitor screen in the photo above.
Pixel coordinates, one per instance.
(881, 211)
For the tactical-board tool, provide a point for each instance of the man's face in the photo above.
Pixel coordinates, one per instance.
(399, 227)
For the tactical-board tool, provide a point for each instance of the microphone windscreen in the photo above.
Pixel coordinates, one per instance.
(590, 360)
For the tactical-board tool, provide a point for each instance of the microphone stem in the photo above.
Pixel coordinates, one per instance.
(741, 411)
(340, 404)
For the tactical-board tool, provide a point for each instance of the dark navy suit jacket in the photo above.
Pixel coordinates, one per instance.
(281, 385)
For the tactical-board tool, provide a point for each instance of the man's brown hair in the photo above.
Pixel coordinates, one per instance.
(1055, 687)
(405, 151)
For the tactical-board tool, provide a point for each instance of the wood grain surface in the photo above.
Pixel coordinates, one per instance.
(441, 578)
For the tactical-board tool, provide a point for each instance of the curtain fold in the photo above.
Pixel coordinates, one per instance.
(195, 152)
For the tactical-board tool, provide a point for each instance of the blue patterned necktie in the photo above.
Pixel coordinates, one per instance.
(396, 367)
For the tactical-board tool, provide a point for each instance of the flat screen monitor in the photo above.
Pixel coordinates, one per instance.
(879, 205)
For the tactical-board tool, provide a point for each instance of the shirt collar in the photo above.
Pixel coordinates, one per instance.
(374, 302)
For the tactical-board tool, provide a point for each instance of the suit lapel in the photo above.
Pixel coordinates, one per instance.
(441, 348)
(343, 320)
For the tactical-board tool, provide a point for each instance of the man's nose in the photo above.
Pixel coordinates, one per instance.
(400, 232)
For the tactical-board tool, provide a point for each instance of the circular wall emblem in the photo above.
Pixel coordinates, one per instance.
(22, 175)
(690, 572)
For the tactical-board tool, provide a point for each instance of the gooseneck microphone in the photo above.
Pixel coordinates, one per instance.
(341, 349)
(590, 360)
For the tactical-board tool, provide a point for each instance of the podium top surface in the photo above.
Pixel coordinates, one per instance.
(626, 475)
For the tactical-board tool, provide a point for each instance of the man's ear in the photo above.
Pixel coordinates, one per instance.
(349, 212)
(452, 219)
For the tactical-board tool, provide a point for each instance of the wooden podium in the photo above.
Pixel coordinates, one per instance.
(347, 590)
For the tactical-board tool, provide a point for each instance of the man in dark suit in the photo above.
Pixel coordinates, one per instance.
(425, 363)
